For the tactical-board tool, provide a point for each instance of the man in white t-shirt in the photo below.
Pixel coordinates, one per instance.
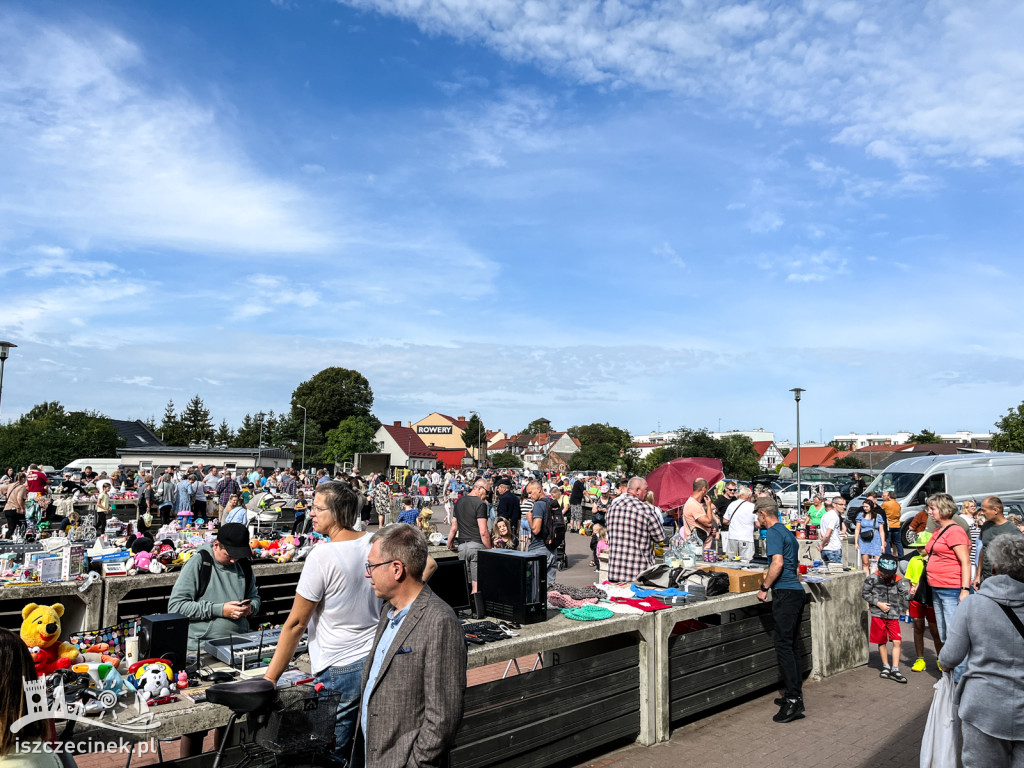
(741, 518)
(830, 542)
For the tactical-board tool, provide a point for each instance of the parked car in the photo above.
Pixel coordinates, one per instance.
(787, 493)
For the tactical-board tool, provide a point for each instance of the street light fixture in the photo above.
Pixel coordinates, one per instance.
(5, 351)
(259, 449)
(799, 489)
(303, 436)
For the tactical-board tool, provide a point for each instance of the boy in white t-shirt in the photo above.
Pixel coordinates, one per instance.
(830, 542)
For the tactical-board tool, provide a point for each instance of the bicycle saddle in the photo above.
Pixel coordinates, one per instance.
(243, 696)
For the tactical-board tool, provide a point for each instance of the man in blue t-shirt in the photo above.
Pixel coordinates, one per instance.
(787, 606)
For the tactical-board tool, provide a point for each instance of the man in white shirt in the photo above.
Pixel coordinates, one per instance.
(741, 518)
(830, 542)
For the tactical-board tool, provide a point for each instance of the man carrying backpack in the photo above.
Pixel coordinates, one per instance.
(547, 526)
(216, 592)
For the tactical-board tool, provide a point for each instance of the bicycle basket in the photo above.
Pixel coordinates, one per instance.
(304, 724)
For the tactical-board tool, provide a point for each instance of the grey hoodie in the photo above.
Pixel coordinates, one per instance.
(991, 692)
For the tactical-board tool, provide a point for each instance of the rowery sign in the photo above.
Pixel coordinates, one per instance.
(429, 430)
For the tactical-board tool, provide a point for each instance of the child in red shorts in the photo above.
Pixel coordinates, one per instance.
(888, 597)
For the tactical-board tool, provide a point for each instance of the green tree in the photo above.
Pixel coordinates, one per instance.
(740, 458)
(1010, 434)
(248, 435)
(537, 426)
(333, 395)
(599, 456)
(506, 460)
(353, 435)
(48, 434)
(736, 452)
(224, 433)
(595, 434)
(171, 430)
(839, 445)
(925, 436)
(475, 432)
(850, 462)
(195, 421)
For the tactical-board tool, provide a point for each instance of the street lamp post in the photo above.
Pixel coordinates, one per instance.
(259, 448)
(303, 436)
(796, 396)
(5, 351)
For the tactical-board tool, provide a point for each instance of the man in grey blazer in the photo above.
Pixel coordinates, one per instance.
(415, 677)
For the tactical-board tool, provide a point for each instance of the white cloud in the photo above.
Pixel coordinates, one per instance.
(944, 82)
(92, 152)
(669, 254)
(262, 294)
(48, 261)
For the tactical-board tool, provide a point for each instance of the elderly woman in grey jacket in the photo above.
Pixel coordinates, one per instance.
(991, 692)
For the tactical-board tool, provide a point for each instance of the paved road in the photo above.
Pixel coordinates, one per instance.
(854, 720)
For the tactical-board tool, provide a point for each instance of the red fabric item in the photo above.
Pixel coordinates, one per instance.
(645, 604)
(883, 630)
(672, 483)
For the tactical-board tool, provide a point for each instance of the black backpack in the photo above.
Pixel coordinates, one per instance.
(206, 572)
(553, 530)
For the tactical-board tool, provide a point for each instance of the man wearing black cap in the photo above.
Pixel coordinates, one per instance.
(216, 591)
(508, 507)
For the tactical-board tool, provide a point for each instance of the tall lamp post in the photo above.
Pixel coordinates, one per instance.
(259, 449)
(796, 396)
(5, 351)
(303, 436)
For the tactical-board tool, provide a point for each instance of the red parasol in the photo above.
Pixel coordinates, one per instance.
(672, 483)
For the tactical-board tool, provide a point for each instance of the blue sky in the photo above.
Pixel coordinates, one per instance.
(639, 213)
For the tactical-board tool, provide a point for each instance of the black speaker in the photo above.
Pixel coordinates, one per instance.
(514, 584)
(164, 636)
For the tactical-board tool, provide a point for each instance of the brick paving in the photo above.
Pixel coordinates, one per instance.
(854, 720)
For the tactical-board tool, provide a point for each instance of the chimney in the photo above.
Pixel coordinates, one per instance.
(462, 418)
(398, 423)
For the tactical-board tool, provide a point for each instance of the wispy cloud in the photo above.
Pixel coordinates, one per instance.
(937, 84)
(93, 153)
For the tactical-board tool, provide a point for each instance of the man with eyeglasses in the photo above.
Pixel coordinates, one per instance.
(415, 677)
(722, 503)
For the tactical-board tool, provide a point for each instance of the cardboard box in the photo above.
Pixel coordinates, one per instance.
(741, 580)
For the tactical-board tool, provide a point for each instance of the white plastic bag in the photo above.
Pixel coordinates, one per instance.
(939, 746)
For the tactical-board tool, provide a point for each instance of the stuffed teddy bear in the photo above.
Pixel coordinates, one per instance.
(40, 631)
(155, 681)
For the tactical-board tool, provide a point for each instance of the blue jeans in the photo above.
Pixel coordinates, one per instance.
(832, 555)
(895, 543)
(346, 681)
(945, 601)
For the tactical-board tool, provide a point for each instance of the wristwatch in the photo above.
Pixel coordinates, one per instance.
(763, 588)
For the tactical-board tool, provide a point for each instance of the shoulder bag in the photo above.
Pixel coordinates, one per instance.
(923, 593)
(868, 534)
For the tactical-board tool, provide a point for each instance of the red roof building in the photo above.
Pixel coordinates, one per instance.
(811, 456)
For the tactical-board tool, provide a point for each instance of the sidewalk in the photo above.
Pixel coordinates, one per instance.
(854, 720)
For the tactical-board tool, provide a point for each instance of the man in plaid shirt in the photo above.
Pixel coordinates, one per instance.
(634, 527)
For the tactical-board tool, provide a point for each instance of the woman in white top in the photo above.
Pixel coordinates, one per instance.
(335, 601)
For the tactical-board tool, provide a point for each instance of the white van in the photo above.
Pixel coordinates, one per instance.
(963, 477)
(98, 465)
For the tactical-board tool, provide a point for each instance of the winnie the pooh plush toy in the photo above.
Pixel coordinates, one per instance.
(40, 631)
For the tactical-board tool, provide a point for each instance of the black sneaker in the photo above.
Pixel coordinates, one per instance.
(791, 709)
(885, 674)
(895, 674)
